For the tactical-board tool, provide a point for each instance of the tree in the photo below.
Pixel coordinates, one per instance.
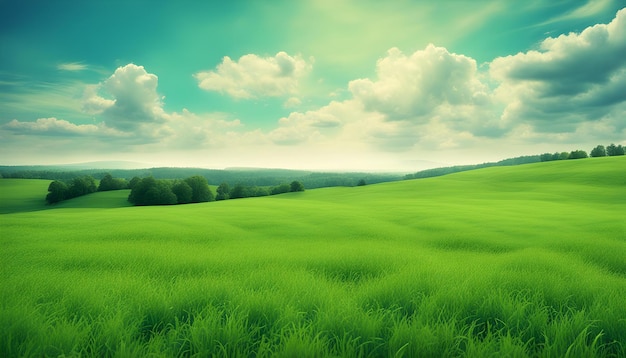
(598, 151)
(546, 157)
(133, 182)
(138, 194)
(296, 186)
(613, 150)
(150, 191)
(280, 189)
(200, 189)
(361, 182)
(223, 192)
(57, 191)
(82, 186)
(183, 192)
(260, 191)
(577, 154)
(164, 194)
(109, 183)
(239, 191)
(106, 183)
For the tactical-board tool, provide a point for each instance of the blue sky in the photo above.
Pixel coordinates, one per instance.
(344, 85)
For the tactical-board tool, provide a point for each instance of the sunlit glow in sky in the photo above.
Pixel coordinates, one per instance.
(342, 85)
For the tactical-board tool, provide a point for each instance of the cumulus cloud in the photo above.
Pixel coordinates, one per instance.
(412, 86)
(92, 102)
(415, 99)
(253, 76)
(300, 127)
(571, 79)
(129, 111)
(135, 98)
(190, 130)
(132, 112)
(572, 88)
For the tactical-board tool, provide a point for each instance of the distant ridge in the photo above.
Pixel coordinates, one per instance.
(435, 172)
(110, 164)
(81, 166)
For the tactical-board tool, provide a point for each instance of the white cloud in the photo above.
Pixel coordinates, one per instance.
(572, 79)
(413, 86)
(190, 130)
(134, 115)
(301, 127)
(253, 76)
(431, 98)
(58, 127)
(92, 102)
(292, 102)
(133, 101)
(572, 89)
(72, 66)
(136, 100)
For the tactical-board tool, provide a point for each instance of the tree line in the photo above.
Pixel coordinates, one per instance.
(261, 178)
(598, 151)
(151, 191)
(60, 190)
(239, 191)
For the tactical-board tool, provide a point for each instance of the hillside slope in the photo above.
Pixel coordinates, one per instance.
(507, 261)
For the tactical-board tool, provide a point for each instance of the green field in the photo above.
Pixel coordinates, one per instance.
(506, 261)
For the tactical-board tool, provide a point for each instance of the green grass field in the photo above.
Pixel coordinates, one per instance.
(507, 261)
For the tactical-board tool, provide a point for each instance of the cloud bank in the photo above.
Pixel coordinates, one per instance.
(572, 88)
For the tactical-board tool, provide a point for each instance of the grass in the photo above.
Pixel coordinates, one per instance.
(508, 261)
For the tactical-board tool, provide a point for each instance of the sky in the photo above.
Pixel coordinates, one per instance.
(328, 84)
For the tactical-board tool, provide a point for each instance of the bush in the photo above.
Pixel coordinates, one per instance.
(296, 186)
(280, 189)
(57, 191)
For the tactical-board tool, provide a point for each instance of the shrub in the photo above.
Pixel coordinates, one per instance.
(296, 186)
(57, 191)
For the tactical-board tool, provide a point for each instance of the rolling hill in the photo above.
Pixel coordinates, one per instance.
(519, 261)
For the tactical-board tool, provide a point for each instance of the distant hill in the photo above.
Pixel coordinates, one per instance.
(246, 176)
(435, 172)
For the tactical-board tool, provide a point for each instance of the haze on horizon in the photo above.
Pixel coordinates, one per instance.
(342, 85)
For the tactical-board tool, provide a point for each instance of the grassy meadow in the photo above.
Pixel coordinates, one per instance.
(506, 261)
